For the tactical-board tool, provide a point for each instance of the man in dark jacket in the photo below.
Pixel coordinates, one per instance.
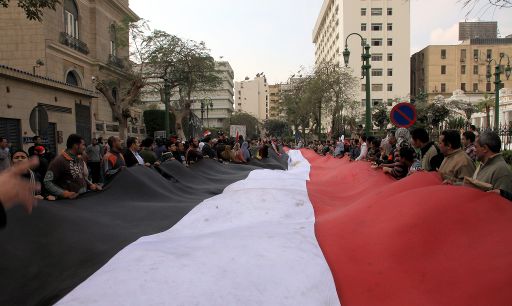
(65, 176)
(113, 161)
(131, 154)
(207, 148)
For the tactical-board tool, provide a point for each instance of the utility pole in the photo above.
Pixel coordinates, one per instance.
(167, 97)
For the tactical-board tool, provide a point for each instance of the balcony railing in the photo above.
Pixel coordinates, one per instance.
(115, 61)
(73, 43)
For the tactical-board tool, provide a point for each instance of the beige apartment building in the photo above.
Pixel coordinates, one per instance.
(252, 96)
(441, 70)
(385, 25)
(274, 101)
(55, 64)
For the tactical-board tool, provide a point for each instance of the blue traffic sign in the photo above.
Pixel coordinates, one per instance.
(403, 115)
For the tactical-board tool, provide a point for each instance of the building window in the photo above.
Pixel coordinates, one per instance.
(390, 102)
(476, 55)
(377, 57)
(363, 102)
(363, 87)
(73, 79)
(376, 26)
(363, 26)
(443, 53)
(376, 42)
(463, 69)
(390, 12)
(390, 87)
(443, 87)
(113, 39)
(71, 18)
(475, 87)
(390, 42)
(390, 27)
(376, 12)
(488, 87)
(376, 102)
(363, 12)
(377, 87)
(489, 54)
(390, 72)
(463, 55)
(475, 69)
(443, 69)
(463, 86)
(376, 72)
(390, 57)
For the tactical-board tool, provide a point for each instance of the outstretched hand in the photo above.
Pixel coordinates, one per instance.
(15, 190)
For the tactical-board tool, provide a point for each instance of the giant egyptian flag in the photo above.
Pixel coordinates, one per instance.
(321, 232)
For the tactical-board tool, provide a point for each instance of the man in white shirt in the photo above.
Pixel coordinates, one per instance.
(364, 148)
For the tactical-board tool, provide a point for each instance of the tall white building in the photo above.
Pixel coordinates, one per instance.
(220, 98)
(385, 24)
(252, 96)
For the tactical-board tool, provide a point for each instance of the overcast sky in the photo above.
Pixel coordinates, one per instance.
(274, 36)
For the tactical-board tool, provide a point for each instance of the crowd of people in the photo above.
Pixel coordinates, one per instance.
(82, 168)
(460, 157)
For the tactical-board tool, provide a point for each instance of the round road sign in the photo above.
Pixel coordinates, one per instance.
(403, 115)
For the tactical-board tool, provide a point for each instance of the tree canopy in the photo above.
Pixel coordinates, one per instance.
(33, 8)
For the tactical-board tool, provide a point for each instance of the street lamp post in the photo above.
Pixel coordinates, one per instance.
(202, 112)
(209, 105)
(167, 96)
(365, 56)
(498, 83)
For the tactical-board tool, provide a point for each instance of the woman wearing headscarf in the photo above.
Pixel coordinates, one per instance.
(21, 156)
(227, 154)
(245, 151)
(403, 138)
(237, 153)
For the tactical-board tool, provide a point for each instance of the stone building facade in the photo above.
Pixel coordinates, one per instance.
(55, 63)
(443, 69)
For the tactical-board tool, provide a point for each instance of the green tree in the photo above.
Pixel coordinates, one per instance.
(277, 127)
(33, 8)
(467, 108)
(187, 67)
(484, 106)
(456, 123)
(299, 104)
(155, 121)
(123, 91)
(338, 87)
(251, 123)
(380, 116)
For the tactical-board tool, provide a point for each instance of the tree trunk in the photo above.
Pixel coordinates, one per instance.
(488, 117)
(179, 115)
(119, 107)
(123, 127)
